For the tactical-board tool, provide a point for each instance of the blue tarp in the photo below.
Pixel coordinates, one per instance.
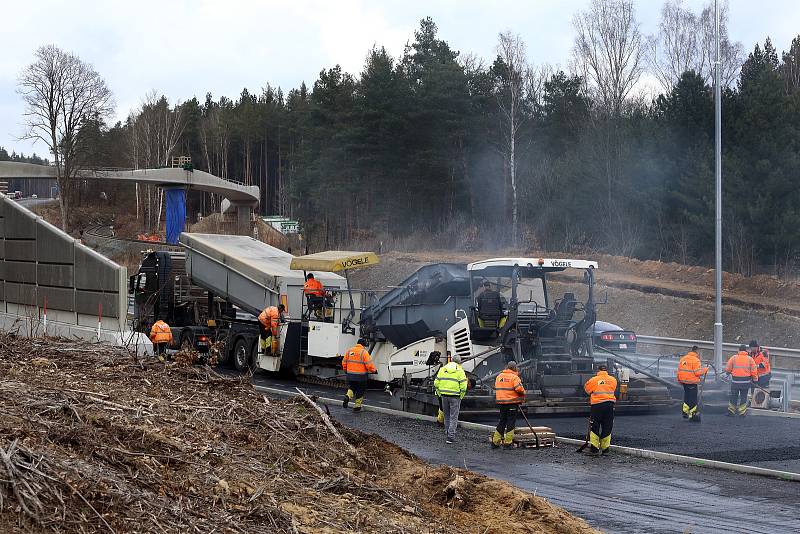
(176, 214)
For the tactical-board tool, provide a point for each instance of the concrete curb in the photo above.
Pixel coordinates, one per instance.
(642, 453)
(770, 413)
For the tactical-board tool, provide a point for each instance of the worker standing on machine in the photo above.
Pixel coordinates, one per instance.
(161, 336)
(357, 364)
(269, 325)
(760, 356)
(451, 386)
(315, 295)
(602, 389)
(509, 394)
(690, 373)
(742, 369)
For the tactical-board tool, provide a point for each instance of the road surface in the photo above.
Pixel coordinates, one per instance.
(621, 493)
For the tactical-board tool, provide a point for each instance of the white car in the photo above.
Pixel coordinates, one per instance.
(34, 196)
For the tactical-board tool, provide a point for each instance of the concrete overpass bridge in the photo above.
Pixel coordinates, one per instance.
(241, 197)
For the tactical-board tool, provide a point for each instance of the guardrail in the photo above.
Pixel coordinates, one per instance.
(781, 352)
(664, 365)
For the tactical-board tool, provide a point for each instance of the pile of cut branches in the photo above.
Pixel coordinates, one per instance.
(94, 439)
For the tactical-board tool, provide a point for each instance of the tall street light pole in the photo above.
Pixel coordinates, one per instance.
(718, 180)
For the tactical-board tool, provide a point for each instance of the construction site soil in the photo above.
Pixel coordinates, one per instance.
(93, 439)
(652, 298)
(617, 493)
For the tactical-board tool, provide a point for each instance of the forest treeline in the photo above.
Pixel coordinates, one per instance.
(441, 148)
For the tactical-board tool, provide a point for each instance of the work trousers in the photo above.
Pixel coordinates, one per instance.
(602, 415)
(737, 403)
(451, 405)
(689, 400)
(356, 389)
(508, 418)
(160, 348)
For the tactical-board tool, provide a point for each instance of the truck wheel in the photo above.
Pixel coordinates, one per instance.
(225, 355)
(187, 343)
(241, 355)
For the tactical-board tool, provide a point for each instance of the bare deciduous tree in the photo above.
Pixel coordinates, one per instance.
(510, 98)
(731, 54)
(62, 93)
(676, 47)
(608, 50)
(155, 131)
(685, 41)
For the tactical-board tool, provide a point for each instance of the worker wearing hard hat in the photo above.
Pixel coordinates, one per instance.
(269, 322)
(743, 372)
(760, 356)
(357, 364)
(161, 336)
(509, 394)
(451, 386)
(690, 373)
(601, 389)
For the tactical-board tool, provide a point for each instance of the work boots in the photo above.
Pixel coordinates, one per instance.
(496, 439)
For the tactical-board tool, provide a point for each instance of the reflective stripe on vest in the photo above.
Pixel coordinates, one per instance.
(360, 360)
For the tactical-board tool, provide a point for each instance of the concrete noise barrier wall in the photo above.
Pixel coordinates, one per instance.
(45, 271)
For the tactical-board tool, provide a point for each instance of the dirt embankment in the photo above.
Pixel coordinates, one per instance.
(660, 299)
(94, 440)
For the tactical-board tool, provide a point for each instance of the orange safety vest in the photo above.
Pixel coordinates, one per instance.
(689, 369)
(314, 288)
(762, 363)
(270, 318)
(508, 388)
(357, 363)
(601, 388)
(742, 368)
(160, 332)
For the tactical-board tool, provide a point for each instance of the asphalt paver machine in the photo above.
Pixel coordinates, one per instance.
(490, 312)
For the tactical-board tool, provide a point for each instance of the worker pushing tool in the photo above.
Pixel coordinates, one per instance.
(690, 373)
(161, 336)
(509, 394)
(451, 386)
(742, 369)
(357, 364)
(269, 322)
(602, 396)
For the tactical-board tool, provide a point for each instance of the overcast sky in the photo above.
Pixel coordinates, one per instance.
(187, 48)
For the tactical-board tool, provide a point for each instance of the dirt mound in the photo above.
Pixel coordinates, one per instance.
(94, 440)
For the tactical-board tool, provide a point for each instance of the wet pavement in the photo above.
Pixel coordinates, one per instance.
(772, 442)
(620, 493)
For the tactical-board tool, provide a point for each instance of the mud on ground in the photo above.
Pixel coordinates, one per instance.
(93, 439)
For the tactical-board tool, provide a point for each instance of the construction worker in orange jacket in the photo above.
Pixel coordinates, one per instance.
(161, 336)
(357, 364)
(760, 356)
(690, 373)
(742, 369)
(269, 322)
(509, 394)
(314, 292)
(601, 389)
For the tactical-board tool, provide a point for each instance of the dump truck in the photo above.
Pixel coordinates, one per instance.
(212, 290)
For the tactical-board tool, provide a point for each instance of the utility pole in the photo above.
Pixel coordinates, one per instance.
(718, 180)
